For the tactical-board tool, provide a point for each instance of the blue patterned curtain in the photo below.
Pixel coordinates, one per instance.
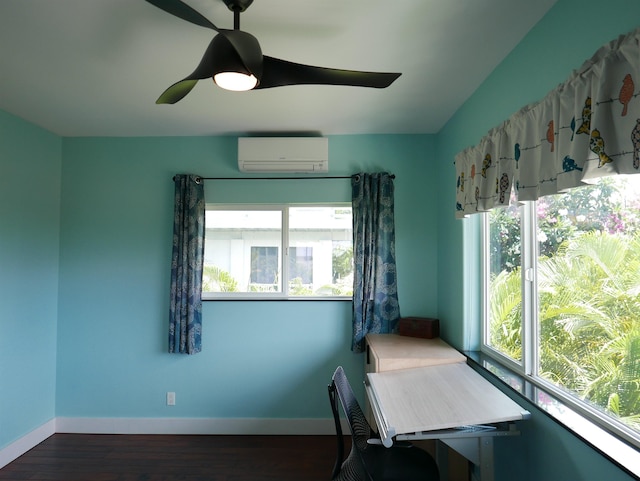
(185, 312)
(375, 293)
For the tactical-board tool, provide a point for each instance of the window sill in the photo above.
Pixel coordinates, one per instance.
(616, 450)
(245, 297)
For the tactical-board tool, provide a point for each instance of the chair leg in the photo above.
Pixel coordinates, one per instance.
(340, 440)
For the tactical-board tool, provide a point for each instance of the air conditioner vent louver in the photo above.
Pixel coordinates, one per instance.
(283, 154)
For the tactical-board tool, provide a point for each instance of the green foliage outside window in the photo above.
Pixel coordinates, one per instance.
(215, 279)
(588, 295)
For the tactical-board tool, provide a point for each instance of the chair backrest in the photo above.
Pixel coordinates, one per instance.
(340, 389)
(367, 462)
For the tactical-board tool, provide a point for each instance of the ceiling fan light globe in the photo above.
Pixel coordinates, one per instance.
(235, 81)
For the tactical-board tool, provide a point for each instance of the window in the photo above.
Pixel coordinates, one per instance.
(562, 297)
(283, 251)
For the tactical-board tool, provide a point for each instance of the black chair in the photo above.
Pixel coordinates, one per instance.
(372, 462)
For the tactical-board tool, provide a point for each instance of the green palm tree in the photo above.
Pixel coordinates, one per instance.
(505, 329)
(589, 300)
(589, 336)
(215, 279)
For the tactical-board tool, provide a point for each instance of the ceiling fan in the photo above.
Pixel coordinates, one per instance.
(235, 62)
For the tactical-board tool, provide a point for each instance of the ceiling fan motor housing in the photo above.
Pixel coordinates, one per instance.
(238, 51)
(237, 5)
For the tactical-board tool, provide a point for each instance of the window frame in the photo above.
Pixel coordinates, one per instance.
(284, 247)
(528, 368)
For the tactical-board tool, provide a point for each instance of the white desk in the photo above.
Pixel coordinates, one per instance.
(449, 402)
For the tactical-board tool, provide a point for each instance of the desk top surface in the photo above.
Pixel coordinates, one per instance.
(439, 397)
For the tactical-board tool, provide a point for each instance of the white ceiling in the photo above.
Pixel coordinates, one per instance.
(96, 67)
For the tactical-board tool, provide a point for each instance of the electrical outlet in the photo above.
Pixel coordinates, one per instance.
(171, 399)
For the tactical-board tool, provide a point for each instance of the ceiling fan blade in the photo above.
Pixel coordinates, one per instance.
(278, 73)
(180, 89)
(177, 91)
(183, 11)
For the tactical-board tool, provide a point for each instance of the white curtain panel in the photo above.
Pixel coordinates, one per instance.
(586, 128)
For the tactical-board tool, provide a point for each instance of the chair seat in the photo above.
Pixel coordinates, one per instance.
(402, 464)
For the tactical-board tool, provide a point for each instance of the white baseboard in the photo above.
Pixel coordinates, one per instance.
(238, 426)
(246, 426)
(26, 442)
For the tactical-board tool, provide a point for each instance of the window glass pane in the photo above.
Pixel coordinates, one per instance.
(320, 251)
(242, 249)
(588, 277)
(301, 264)
(244, 254)
(264, 266)
(504, 329)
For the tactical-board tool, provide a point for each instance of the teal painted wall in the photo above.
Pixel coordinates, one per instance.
(30, 160)
(116, 227)
(85, 252)
(568, 35)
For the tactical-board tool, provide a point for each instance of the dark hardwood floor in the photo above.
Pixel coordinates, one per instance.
(106, 457)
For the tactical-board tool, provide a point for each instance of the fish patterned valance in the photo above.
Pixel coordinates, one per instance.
(586, 128)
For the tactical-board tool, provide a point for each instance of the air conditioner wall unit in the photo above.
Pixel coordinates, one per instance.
(307, 155)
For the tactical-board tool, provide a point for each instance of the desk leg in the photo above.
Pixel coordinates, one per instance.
(478, 450)
(486, 459)
(442, 459)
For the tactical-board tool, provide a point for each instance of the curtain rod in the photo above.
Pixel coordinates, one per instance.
(281, 178)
